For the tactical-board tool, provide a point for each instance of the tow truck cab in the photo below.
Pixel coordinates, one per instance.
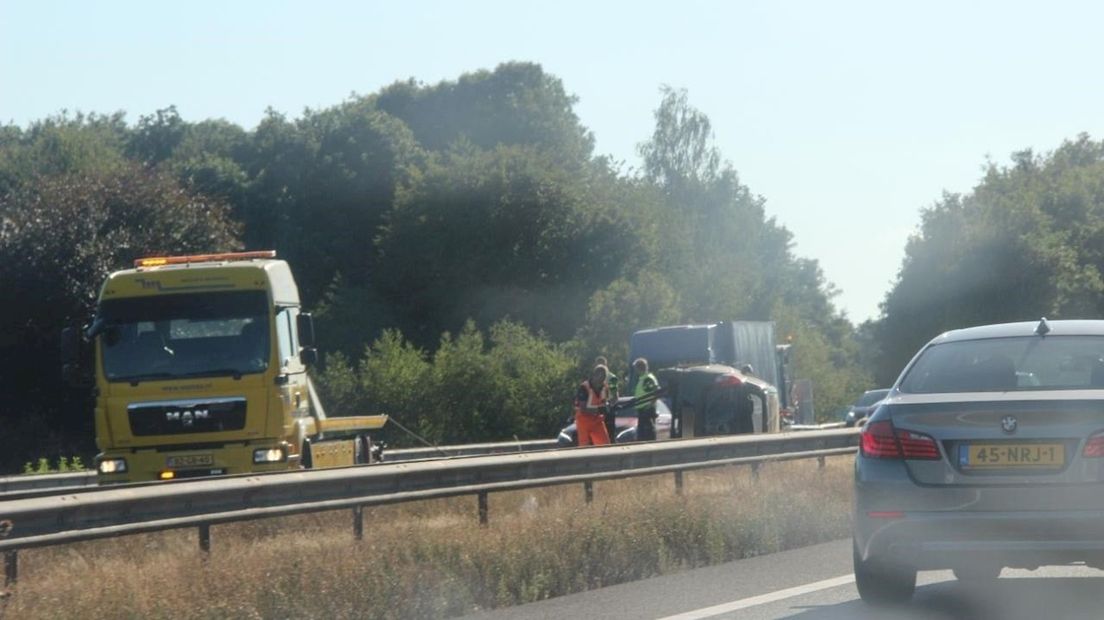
(201, 369)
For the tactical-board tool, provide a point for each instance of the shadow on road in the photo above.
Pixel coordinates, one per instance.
(1006, 599)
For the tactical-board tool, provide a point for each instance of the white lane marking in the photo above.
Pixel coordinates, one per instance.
(744, 603)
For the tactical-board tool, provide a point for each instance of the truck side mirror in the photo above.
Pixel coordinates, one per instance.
(306, 329)
(308, 356)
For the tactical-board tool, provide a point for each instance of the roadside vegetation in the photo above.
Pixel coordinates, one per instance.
(61, 466)
(432, 559)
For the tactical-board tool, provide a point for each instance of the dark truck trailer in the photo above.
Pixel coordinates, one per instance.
(720, 378)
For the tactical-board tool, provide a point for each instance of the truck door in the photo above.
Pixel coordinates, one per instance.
(293, 374)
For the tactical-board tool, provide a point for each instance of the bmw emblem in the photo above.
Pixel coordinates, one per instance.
(1008, 424)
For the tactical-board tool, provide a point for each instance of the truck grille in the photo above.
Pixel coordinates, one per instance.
(180, 417)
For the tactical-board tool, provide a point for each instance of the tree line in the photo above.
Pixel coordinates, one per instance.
(1026, 242)
(464, 248)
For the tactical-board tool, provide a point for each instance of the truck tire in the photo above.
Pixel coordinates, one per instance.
(306, 459)
(362, 450)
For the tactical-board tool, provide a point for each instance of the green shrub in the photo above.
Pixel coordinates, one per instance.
(64, 465)
(507, 383)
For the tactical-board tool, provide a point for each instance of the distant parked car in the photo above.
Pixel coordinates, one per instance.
(626, 425)
(864, 406)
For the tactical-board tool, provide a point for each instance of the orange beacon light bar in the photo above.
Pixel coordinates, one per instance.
(157, 261)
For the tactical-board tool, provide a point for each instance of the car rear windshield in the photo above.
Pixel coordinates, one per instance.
(1009, 364)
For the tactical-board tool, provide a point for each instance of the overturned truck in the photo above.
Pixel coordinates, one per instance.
(719, 378)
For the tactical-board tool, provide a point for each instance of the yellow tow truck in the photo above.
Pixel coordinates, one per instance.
(201, 370)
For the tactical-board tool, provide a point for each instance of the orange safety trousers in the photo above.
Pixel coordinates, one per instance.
(591, 429)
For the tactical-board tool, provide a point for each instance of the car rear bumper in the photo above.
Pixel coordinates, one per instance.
(933, 540)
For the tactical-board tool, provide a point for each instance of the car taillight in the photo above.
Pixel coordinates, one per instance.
(917, 445)
(878, 441)
(1094, 447)
(729, 381)
(881, 441)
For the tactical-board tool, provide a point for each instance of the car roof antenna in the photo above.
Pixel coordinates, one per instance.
(1042, 328)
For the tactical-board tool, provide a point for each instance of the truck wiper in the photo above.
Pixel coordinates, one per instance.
(134, 379)
(236, 373)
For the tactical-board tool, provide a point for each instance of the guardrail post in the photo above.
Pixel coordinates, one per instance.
(588, 491)
(205, 538)
(11, 567)
(358, 522)
(678, 483)
(820, 462)
(755, 472)
(483, 508)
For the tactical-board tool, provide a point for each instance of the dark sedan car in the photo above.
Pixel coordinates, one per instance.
(987, 453)
(864, 406)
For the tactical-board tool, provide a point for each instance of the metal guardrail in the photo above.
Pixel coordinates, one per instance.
(108, 512)
(471, 449)
(34, 482)
(43, 484)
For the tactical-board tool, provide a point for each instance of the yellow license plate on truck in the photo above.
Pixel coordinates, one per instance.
(190, 460)
(1013, 455)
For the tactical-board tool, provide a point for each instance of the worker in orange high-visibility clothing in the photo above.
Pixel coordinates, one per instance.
(590, 408)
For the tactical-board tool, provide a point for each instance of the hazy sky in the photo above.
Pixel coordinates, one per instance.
(848, 117)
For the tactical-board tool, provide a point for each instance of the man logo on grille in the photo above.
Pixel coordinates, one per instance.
(187, 418)
(1008, 424)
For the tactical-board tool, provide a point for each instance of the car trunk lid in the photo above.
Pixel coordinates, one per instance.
(1021, 438)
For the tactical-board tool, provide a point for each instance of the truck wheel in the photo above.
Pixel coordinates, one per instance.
(362, 450)
(306, 459)
(883, 583)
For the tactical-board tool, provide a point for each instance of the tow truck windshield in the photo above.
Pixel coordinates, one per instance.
(184, 335)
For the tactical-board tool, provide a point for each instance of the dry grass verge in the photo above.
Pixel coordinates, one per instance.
(432, 560)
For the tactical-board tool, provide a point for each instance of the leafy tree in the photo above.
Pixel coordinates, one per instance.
(615, 312)
(501, 233)
(726, 260)
(516, 104)
(209, 158)
(61, 144)
(157, 136)
(1028, 241)
(719, 223)
(319, 187)
(362, 157)
(60, 236)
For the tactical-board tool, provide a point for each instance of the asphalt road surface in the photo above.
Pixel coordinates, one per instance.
(815, 583)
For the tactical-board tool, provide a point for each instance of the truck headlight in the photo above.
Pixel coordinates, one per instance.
(269, 455)
(112, 466)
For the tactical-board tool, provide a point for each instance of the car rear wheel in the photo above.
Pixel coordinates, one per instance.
(883, 583)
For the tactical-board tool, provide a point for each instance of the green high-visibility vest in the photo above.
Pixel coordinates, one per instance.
(611, 383)
(645, 385)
